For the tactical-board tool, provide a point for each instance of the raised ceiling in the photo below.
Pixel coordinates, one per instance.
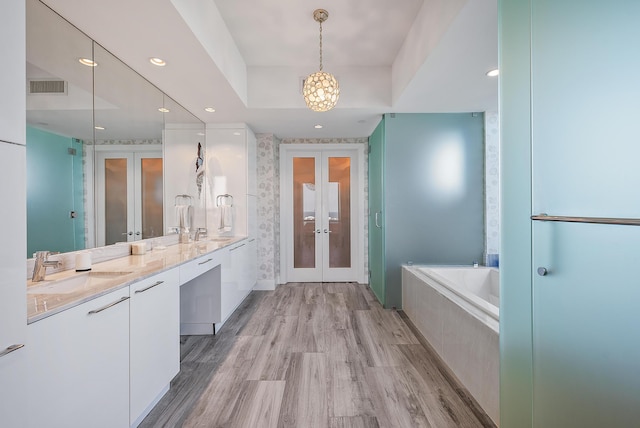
(246, 58)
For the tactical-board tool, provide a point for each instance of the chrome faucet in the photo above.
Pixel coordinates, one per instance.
(201, 232)
(41, 263)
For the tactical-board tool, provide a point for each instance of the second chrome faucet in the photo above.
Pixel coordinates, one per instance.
(40, 266)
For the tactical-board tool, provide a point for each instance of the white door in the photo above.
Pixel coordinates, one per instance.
(129, 196)
(322, 213)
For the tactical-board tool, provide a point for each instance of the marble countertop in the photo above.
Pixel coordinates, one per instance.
(64, 290)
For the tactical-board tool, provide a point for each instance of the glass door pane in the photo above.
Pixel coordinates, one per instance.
(116, 197)
(339, 212)
(304, 212)
(151, 196)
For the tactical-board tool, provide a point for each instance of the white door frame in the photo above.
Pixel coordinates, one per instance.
(358, 201)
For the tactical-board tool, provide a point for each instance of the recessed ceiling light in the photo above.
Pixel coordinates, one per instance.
(236, 133)
(493, 73)
(201, 134)
(210, 109)
(318, 126)
(99, 128)
(88, 62)
(157, 61)
(163, 110)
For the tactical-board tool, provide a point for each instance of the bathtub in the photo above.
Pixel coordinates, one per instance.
(457, 311)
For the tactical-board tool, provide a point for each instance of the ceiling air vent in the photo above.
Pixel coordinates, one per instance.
(48, 87)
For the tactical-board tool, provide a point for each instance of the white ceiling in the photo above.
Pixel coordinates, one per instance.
(246, 57)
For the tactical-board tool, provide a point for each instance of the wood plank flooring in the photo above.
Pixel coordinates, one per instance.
(314, 355)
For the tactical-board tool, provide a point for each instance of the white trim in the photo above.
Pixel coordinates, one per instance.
(128, 147)
(285, 217)
(265, 285)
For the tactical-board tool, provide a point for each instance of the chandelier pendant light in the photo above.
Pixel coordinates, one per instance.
(321, 90)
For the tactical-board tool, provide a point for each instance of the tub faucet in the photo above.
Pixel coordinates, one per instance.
(40, 266)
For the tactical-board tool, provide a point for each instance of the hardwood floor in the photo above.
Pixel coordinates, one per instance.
(313, 355)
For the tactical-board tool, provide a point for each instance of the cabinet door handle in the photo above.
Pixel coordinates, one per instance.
(233, 249)
(10, 349)
(142, 290)
(206, 261)
(251, 240)
(377, 214)
(95, 311)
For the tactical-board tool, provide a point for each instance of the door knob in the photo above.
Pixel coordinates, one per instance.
(542, 271)
(317, 230)
(137, 233)
(327, 231)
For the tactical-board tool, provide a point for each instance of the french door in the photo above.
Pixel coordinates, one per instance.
(129, 196)
(321, 214)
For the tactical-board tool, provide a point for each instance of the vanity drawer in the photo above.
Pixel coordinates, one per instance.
(197, 267)
(170, 276)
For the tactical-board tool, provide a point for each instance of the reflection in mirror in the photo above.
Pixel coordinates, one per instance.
(185, 170)
(59, 127)
(128, 151)
(71, 158)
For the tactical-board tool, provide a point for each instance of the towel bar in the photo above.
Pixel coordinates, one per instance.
(220, 200)
(596, 220)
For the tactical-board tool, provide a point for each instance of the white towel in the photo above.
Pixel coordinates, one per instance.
(184, 216)
(226, 218)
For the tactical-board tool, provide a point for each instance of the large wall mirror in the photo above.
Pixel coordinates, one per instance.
(95, 142)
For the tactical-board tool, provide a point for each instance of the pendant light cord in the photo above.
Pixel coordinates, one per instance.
(320, 45)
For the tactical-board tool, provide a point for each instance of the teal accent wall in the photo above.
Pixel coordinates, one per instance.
(376, 212)
(54, 189)
(516, 378)
(433, 210)
(78, 185)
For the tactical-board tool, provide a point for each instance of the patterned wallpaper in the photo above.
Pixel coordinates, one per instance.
(268, 244)
(492, 182)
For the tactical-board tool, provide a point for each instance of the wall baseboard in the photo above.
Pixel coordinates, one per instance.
(265, 285)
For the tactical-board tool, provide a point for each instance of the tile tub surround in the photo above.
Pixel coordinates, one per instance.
(467, 345)
(132, 268)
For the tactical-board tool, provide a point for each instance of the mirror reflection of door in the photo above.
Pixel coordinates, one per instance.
(321, 221)
(129, 196)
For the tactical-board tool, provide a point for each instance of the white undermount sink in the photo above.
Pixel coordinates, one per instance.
(77, 282)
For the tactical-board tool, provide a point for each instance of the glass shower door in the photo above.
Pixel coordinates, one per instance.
(586, 298)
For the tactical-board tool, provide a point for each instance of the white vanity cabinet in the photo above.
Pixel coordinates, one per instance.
(13, 308)
(154, 340)
(13, 324)
(251, 270)
(78, 364)
(238, 276)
